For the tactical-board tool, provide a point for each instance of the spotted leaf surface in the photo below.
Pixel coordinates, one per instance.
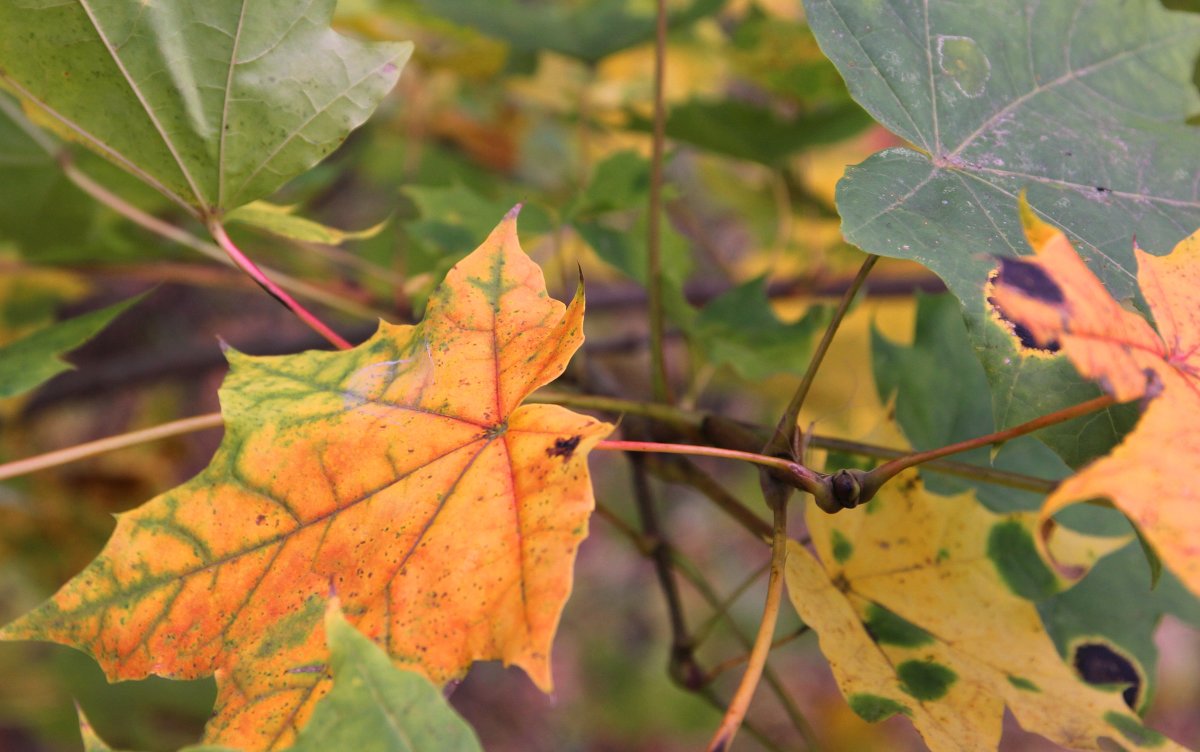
(404, 475)
(1055, 303)
(922, 607)
(214, 104)
(1081, 103)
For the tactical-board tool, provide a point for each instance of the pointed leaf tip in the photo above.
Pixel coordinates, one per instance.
(513, 212)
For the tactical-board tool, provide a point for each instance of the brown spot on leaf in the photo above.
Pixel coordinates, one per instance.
(563, 448)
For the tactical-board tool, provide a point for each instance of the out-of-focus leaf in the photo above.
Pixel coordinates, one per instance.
(610, 216)
(783, 57)
(746, 131)
(280, 220)
(942, 397)
(921, 608)
(588, 31)
(214, 104)
(372, 707)
(39, 207)
(36, 357)
(740, 330)
(404, 472)
(617, 183)
(1081, 104)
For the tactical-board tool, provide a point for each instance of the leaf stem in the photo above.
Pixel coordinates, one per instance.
(111, 443)
(245, 264)
(178, 235)
(805, 478)
(654, 274)
(781, 439)
(740, 703)
(873, 480)
(948, 467)
(689, 420)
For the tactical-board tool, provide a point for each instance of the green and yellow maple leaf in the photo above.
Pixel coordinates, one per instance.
(1060, 305)
(920, 605)
(404, 475)
(372, 707)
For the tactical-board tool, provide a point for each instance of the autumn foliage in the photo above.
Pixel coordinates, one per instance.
(997, 525)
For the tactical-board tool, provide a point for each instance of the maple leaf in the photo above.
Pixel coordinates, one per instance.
(403, 474)
(920, 606)
(373, 706)
(1055, 303)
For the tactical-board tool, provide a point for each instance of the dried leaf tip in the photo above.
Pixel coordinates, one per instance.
(513, 212)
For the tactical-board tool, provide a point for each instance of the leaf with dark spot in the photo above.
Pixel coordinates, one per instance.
(919, 622)
(402, 468)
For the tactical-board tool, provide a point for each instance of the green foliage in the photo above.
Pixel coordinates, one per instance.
(209, 105)
(35, 358)
(589, 31)
(1082, 107)
(941, 397)
(373, 706)
(740, 330)
(746, 131)
(208, 111)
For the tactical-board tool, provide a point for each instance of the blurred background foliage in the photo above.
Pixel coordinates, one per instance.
(548, 103)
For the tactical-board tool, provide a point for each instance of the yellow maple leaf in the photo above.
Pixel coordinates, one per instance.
(1060, 305)
(404, 475)
(917, 601)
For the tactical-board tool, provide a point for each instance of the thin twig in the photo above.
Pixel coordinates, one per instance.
(682, 662)
(740, 703)
(683, 470)
(948, 467)
(654, 274)
(109, 444)
(738, 660)
(781, 439)
(721, 610)
(245, 264)
(692, 574)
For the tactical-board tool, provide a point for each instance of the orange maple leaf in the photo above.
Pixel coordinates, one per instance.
(402, 474)
(1059, 304)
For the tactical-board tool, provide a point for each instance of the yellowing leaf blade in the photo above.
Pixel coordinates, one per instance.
(1059, 301)
(402, 475)
(918, 604)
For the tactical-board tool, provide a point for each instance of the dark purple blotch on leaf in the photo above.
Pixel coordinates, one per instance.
(1099, 664)
(1030, 279)
(563, 448)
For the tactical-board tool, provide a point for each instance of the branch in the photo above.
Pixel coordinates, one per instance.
(111, 443)
(781, 439)
(740, 703)
(682, 661)
(654, 275)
